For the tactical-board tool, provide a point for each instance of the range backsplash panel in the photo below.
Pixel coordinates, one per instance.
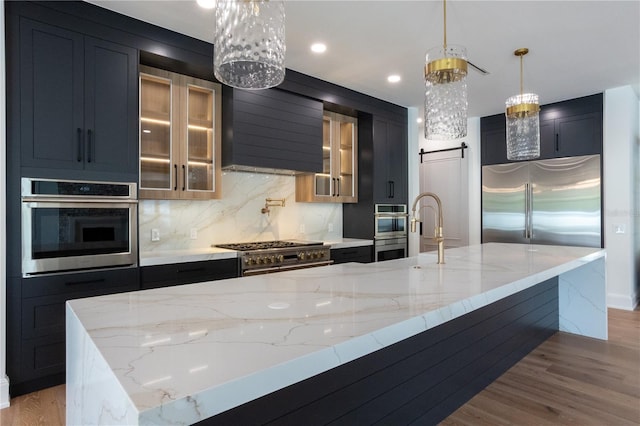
(236, 217)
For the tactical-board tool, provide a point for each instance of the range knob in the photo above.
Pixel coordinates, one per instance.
(301, 255)
(281, 258)
(251, 261)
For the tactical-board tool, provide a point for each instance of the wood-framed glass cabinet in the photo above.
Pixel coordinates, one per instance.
(338, 180)
(180, 137)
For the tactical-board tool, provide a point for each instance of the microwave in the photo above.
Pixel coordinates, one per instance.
(77, 225)
(390, 221)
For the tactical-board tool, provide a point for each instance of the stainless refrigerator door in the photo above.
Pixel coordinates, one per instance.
(566, 201)
(504, 217)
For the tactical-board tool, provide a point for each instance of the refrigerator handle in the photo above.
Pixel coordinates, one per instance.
(530, 211)
(526, 210)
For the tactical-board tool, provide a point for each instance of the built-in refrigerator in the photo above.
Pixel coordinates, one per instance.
(555, 201)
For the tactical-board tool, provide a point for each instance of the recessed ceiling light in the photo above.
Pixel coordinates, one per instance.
(394, 78)
(318, 47)
(206, 4)
(418, 120)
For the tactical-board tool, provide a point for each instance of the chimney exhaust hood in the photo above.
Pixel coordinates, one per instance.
(271, 131)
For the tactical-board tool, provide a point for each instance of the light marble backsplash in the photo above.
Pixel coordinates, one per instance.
(236, 217)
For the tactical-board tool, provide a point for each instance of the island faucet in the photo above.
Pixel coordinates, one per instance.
(438, 236)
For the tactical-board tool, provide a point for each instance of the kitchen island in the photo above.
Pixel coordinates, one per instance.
(327, 343)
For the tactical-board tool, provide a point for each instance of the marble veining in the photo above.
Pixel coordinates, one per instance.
(236, 217)
(181, 354)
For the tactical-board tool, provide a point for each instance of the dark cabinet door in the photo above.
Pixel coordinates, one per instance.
(111, 107)
(390, 163)
(578, 135)
(494, 146)
(397, 162)
(547, 139)
(51, 96)
(78, 101)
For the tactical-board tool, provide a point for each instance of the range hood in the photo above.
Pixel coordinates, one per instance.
(271, 131)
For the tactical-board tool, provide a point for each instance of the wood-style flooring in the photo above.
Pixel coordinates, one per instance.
(567, 380)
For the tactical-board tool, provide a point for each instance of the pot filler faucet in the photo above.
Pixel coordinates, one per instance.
(438, 237)
(272, 202)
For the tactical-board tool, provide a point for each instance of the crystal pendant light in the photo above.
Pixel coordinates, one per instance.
(523, 121)
(445, 106)
(249, 43)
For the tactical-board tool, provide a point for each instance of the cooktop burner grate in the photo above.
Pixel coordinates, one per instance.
(263, 245)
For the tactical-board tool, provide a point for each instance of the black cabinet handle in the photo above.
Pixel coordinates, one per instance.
(389, 189)
(393, 189)
(89, 146)
(79, 144)
(74, 283)
(181, 271)
(557, 142)
(175, 175)
(337, 187)
(184, 177)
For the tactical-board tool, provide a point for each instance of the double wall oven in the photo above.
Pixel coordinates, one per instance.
(390, 239)
(75, 225)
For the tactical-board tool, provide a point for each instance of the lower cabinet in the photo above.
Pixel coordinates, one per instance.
(38, 358)
(188, 273)
(362, 254)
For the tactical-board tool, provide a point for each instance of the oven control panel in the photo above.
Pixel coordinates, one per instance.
(290, 257)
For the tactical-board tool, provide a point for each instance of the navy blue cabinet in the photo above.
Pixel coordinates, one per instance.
(390, 162)
(567, 129)
(78, 104)
(37, 339)
(363, 254)
(188, 272)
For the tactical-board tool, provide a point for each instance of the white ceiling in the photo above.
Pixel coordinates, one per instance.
(577, 48)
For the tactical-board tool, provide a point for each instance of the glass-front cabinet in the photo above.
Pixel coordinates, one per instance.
(338, 180)
(179, 136)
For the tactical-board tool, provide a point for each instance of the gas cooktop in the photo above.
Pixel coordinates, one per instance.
(264, 245)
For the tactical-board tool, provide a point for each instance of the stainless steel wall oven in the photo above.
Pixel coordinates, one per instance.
(390, 231)
(74, 225)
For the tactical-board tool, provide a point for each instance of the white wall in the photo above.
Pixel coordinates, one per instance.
(620, 161)
(473, 152)
(4, 382)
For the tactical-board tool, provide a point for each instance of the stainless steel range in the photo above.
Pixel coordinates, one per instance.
(274, 256)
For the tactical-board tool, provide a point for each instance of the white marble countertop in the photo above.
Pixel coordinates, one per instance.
(348, 243)
(152, 258)
(164, 257)
(203, 348)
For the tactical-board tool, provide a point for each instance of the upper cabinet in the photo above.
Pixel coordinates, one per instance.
(78, 102)
(390, 162)
(338, 181)
(179, 136)
(567, 129)
(272, 131)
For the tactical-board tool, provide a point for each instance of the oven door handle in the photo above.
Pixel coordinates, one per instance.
(250, 272)
(36, 201)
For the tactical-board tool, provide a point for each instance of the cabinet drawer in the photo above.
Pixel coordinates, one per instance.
(352, 254)
(91, 283)
(188, 273)
(43, 356)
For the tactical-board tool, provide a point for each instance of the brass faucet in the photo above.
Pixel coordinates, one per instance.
(438, 236)
(272, 202)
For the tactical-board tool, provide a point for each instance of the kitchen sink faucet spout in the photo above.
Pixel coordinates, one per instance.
(438, 236)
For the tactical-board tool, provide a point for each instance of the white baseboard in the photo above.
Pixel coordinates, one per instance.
(622, 301)
(4, 392)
